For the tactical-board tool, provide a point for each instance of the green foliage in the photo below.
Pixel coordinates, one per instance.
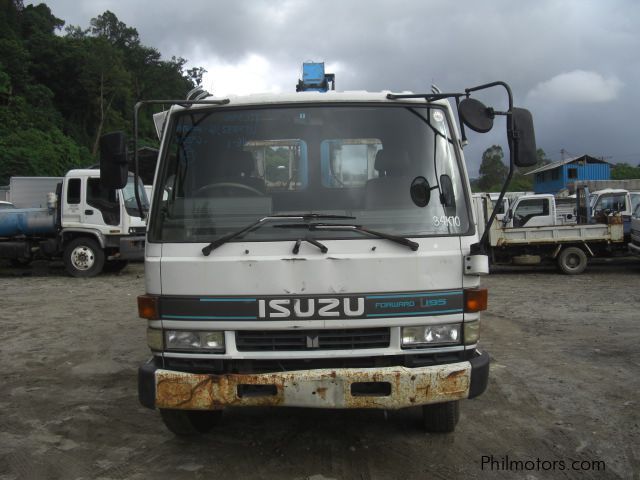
(5, 82)
(624, 171)
(493, 172)
(58, 94)
(34, 152)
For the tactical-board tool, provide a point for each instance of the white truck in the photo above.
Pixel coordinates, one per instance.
(535, 230)
(540, 210)
(315, 250)
(92, 228)
(614, 201)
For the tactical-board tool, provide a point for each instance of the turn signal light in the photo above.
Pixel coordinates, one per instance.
(475, 300)
(148, 307)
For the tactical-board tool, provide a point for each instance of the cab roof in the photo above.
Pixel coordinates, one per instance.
(319, 97)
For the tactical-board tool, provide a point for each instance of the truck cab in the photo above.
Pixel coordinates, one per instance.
(612, 201)
(99, 226)
(88, 206)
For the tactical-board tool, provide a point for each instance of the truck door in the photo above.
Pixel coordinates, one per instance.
(72, 201)
(102, 208)
(532, 212)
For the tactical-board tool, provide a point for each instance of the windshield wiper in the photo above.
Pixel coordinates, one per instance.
(255, 225)
(356, 228)
(312, 241)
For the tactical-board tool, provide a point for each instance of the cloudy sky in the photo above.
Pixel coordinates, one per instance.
(574, 63)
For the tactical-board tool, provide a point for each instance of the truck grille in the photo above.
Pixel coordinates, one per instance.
(291, 340)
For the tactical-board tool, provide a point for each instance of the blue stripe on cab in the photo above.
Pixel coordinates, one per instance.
(243, 300)
(408, 314)
(414, 295)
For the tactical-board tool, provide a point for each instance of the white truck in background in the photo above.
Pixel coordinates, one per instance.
(567, 231)
(539, 211)
(73, 217)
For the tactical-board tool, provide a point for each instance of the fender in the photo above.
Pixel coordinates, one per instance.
(99, 236)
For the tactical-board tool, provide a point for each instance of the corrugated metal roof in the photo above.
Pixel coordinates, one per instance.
(554, 165)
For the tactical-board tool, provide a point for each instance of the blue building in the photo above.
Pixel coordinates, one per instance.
(557, 176)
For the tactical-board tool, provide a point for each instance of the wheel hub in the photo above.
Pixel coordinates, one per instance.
(82, 258)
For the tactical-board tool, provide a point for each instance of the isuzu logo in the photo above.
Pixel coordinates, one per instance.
(311, 307)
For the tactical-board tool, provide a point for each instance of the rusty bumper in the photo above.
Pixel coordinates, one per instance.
(385, 388)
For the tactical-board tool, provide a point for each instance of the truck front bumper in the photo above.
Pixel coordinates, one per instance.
(384, 388)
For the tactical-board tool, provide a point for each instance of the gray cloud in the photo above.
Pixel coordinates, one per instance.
(578, 87)
(554, 54)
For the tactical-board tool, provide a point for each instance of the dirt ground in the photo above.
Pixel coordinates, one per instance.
(564, 388)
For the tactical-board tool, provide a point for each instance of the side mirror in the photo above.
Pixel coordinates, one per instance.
(114, 168)
(523, 137)
(420, 191)
(447, 197)
(476, 115)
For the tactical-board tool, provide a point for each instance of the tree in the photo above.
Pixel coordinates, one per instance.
(521, 182)
(195, 74)
(117, 33)
(493, 171)
(624, 171)
(59, 94)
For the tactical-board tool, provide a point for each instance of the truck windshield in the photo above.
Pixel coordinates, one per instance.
(225, 169)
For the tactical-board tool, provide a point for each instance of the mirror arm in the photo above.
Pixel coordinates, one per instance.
(135, 157)
(494, 84)
(480, 248)
(463, 135)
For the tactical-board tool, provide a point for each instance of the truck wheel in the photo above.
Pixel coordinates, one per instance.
(190, 422)
(83, 257)
(441, 417)
(572, 260)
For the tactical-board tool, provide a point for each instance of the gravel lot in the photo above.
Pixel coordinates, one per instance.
(564, 388)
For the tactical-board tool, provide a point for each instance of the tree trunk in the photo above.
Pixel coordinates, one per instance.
(103, 114)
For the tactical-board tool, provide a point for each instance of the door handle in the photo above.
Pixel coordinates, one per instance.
(88, 212)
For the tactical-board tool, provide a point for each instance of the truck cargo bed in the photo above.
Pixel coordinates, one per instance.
(556, 234)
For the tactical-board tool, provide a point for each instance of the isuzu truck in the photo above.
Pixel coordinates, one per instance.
(315, 249)
(91, 227)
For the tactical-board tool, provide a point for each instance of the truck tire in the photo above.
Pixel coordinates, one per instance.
(441, 417)
(185, 423)
(83, 257)
(572, 261)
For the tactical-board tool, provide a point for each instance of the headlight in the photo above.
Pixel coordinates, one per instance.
(194, 340)
(426, 335)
